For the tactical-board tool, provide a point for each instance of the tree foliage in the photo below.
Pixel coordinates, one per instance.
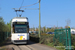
(9, 26)
(4, 27)
(50, 29)
(44, 29)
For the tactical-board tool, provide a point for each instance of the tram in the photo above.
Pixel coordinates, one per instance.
(20, 30)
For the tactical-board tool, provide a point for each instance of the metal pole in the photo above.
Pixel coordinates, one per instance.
(69, 38)
(39, 20)
(66, 40)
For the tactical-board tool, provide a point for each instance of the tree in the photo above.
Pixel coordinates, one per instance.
(36, 29)
(68, 21)
(2, 25)
(50, 30)
(44, 29)
(9, 26)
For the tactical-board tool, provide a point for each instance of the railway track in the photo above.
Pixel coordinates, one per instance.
(24, 47)
(29, 46)
(21, 47)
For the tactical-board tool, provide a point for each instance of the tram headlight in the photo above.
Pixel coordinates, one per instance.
(23, 38)
(17, 38)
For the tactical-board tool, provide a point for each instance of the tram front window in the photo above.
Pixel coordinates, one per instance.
(20, 28)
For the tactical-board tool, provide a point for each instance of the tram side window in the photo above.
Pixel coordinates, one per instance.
(13, 29)
(27, 29)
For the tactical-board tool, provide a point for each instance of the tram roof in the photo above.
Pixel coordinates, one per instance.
(20, 18)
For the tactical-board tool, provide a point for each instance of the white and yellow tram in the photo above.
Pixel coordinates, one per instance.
(20, 30)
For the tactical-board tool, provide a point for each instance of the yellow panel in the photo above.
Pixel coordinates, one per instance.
(21, 37)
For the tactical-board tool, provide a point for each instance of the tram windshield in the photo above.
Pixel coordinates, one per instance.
(20, 28)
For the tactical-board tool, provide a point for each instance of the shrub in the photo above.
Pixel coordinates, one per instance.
(73, 41)
(48, 39)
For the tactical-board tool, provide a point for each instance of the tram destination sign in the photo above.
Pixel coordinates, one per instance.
(20, 22)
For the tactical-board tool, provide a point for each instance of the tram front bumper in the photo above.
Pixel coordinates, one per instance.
(19, 41)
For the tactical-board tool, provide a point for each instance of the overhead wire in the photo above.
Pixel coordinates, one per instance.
(29, 5)
(19, 9)
(21, 4)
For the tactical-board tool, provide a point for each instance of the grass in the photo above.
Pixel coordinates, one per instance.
(6, 48)
(50, 44)
(60, 48)
(3, 48)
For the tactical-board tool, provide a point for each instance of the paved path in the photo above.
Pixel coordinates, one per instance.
(29, 46)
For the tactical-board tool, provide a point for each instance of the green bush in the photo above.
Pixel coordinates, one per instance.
(34, 37)
(73, 41)
(48, 40)
(45, 39)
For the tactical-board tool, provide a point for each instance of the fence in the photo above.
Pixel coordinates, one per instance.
(63, 36)
(4, 36)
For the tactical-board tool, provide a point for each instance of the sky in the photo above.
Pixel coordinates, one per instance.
(53, 12)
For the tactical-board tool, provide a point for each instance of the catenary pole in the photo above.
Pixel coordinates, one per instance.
(39, 20)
